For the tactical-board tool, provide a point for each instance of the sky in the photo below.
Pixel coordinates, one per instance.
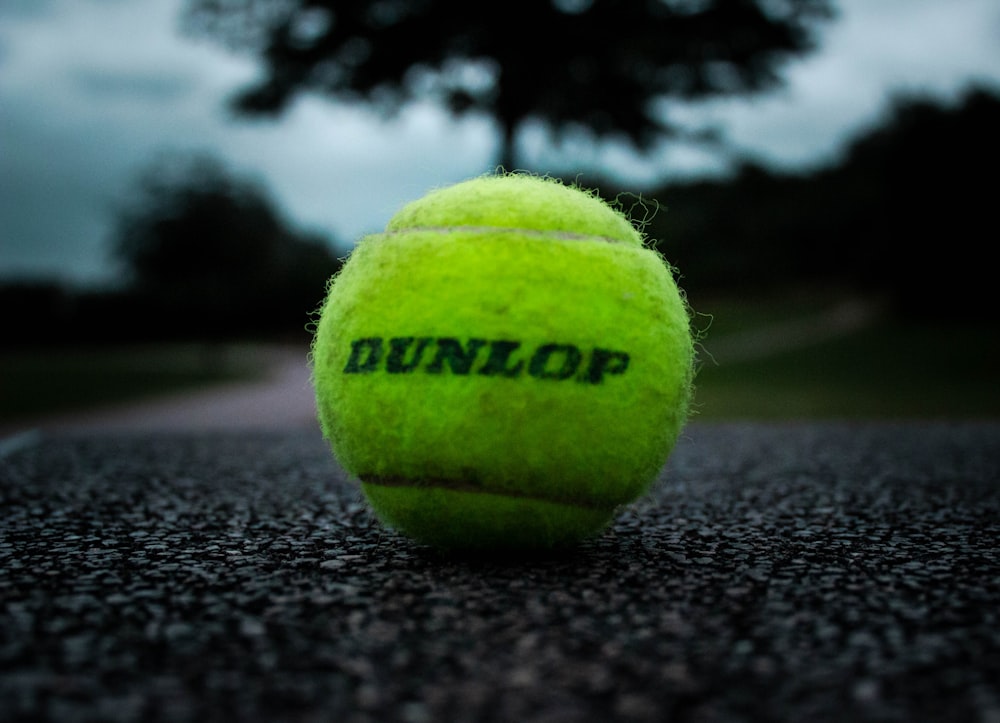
(92, 91)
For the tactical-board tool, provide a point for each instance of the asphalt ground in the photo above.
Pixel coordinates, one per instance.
(792, 572)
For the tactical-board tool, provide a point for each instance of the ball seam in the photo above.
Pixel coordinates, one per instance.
(542, 233)
(458, 486)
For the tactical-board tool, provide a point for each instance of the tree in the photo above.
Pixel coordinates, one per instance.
(923, 205)
(209, 252)
(905, 213)
(593, 65)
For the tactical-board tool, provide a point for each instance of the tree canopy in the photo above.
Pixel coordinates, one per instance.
(211, 250)
(905, 213)
(594, 65)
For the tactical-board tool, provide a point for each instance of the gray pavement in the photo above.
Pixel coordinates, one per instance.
(792, 572)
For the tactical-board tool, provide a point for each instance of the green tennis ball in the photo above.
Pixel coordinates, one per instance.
(504, 367)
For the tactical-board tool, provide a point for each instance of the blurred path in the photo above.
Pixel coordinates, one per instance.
(760, 343)
(281, 399)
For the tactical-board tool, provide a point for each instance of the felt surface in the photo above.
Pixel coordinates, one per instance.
(550, 362)
(517, 202)
(443, 517)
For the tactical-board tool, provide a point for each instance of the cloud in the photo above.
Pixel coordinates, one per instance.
(133, 87)
(875, 51)
(92, 90)
(13, 9)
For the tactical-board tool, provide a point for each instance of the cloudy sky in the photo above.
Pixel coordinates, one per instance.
(92, 90)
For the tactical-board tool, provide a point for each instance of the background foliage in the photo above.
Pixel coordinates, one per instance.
(905, 215)
(604, 68)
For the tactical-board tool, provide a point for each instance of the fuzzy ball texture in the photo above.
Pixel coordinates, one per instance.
(505, 366)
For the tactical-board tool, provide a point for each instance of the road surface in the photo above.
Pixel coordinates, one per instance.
(793, 572)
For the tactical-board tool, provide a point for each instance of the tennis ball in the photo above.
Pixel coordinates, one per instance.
(504, 367)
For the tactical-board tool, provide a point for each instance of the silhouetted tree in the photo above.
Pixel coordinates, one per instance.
(35, 311)
(906, 212)
(921, 197)
(601, 66)
(209, 252)
(738, 233)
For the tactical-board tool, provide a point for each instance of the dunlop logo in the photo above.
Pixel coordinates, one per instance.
(484, 357)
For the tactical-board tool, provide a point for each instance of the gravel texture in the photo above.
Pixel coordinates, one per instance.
(833, 572)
